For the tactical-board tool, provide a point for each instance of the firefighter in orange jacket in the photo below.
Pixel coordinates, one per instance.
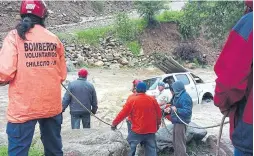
(145, 115)
(32, 61)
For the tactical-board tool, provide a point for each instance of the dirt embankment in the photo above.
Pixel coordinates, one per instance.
(166, 37)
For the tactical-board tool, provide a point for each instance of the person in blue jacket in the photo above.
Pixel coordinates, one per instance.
(182, 105)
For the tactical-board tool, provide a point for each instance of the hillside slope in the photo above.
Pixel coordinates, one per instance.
(166, 38)
(63, 12)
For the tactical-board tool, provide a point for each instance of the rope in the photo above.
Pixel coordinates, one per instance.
(166, 127)
(218, 140)
(218, 125)
(213, 126)
(89, 110)
(220, 133)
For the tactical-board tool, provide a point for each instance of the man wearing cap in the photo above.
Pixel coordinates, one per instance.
(145, 115)
(163, 98)
(84, 91)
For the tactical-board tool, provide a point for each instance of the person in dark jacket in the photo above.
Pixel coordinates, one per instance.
(182, 105)
(86, 94)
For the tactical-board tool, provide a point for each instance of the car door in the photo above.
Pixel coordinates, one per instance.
(189, 86)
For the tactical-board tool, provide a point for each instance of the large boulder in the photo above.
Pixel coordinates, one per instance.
(123, 61)
(165, 140)
(99, 63)
(110, 57)
(103, 142)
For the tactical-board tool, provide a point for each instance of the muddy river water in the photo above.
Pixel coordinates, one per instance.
(113, 87)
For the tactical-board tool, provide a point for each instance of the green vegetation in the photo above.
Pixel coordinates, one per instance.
(215, 18)
(32, 152)
(134, 47)
(212, 18)
(148, 10)
(125, 29)
(3, 151)
(92, 36)
(67, 36)
(170, 16)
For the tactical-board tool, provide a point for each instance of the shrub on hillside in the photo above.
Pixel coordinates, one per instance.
(134, 47)
(92, 36)
(148, 10)
(170, 16)
(188, 52)
(125, 28)
(214, 18)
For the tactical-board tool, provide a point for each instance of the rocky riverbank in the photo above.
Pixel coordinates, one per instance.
(110, 53)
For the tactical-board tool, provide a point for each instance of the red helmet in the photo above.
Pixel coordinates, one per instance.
(83, 73)
(35, 7)
(135, 82)
(249, 3)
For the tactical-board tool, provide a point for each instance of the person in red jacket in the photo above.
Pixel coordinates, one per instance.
(134, 85)
(234, 83)
(145, 115)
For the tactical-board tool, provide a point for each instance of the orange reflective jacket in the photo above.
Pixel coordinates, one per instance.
(34, 69)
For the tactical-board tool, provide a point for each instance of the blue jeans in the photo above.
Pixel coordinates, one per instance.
(148, 141)
(76, 119)
(242, 136)
(20, 136)
(240, 153)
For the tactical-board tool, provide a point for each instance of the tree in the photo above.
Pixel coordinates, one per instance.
(148, 10)
(215, 18)
(124, 27)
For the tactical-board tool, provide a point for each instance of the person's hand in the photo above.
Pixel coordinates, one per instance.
(167, 110)
(113, 127)
(174, 108)
(3, 83)
(93, 111)
(168, 105)
(225, 113)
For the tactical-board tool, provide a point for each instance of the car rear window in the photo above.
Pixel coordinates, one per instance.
(183, 78)
(152, 83)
